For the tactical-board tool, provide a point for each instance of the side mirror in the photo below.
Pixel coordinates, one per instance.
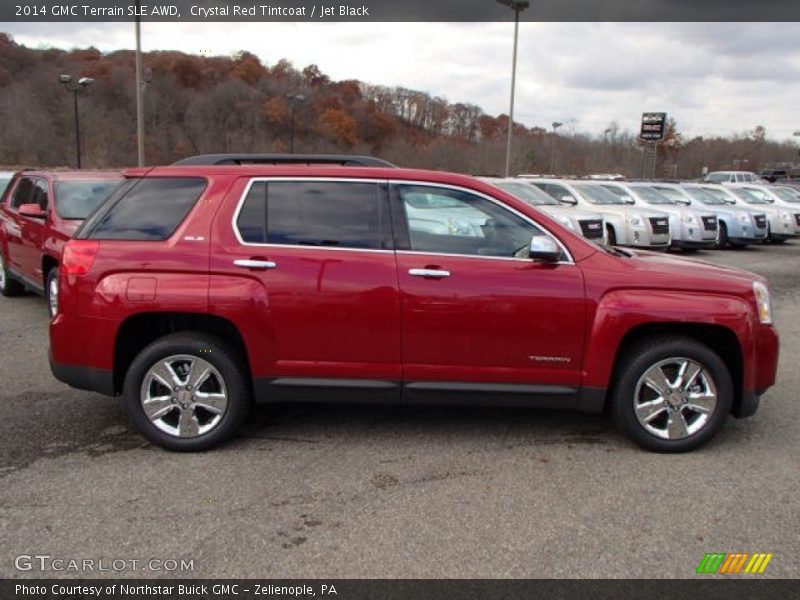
(544, 248)
(32, 210)
(628, 200)
(568, 200)
(683, 202)
(729, 201)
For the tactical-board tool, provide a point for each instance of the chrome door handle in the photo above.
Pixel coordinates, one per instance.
(430, 273)
(249, 263)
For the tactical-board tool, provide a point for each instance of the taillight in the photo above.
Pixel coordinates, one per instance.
(78, 256)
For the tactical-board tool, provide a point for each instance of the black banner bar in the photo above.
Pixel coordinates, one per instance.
(707, 588)
(395, 10)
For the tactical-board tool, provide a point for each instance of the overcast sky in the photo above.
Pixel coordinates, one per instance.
(714, 79)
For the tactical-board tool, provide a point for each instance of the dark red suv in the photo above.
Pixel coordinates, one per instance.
(199, 288)
(39, 212)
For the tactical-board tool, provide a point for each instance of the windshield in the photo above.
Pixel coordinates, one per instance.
(785, 194)
(529, 193)
(597, 194)
(76, 199)
(4, 181)
(652, 195)
(704, 196)
(674, 195)
(751, 196)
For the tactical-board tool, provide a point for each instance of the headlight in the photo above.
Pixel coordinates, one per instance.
(762, 302)
(565, 221)
(744, 218)
(636, 221)
(690, 220)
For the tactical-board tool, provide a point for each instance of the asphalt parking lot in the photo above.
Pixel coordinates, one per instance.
(349, 491)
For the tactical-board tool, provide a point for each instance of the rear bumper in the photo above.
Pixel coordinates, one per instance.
(84, 378)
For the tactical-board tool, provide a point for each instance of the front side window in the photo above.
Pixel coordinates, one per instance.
(336, 214)
(23, 193)
(451, 221)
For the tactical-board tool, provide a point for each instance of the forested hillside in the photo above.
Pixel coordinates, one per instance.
(197, 104)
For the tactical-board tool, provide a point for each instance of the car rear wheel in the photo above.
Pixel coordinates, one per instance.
(672, 395)
(8, 285)
(51, 291)
(187, 392)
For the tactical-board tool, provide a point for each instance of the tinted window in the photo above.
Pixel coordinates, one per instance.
(23, 193)
(76, 199)
(151, 210)
(457, 222)
(556, 191)
(316, 213)
(40, 194)
(252, 219)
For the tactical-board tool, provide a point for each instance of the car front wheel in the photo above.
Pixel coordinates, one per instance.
(673, 394)
(187, 392)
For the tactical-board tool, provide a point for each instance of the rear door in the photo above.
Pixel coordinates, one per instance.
(477, 316)
(314, 259)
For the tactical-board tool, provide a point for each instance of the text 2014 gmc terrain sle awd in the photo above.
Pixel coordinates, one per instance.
(199, 288)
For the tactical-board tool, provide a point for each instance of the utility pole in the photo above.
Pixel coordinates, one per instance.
(139, 89)
(517, 6)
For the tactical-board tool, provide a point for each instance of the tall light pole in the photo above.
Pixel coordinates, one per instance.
(556, 125)
(517, 6)
(139, 90)
(82, 84)
(293, 98)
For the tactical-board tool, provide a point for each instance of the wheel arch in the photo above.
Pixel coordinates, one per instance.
(139, 330)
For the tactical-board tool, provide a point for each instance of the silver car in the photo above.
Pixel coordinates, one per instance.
(588, 224)
(783, 220)
(625, 225)
(738, 226)
(691, 228)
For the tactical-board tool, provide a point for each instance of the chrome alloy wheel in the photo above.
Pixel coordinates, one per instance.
(184, 396)
(675, 398)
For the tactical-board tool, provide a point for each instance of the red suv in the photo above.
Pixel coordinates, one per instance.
(39, 212)
(201, 287)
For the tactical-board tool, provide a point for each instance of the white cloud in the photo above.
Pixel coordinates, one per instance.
(714, 78)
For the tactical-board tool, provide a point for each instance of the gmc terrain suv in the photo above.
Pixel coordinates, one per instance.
(39, 212)
(199, 288)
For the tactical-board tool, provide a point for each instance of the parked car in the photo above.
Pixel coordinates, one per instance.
(691, 228)
(625, 225)
(198, 288)
(738, 226)
(783, 220)
(39, 212)
(780, 222)
(588, 224)
(732, 177)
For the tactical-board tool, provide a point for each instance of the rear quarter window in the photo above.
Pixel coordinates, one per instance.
(151, 209)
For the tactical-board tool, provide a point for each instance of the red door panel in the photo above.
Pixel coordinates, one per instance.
(491, 320)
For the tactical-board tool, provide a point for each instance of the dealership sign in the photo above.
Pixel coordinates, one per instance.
(653, 126)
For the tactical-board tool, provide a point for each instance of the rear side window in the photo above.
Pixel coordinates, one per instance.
(23, 192)
(337, 214)
(151, 210)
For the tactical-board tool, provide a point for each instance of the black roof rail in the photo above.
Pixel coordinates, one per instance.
(343, 160)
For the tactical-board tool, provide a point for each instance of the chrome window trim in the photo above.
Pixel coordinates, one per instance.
(240, 203)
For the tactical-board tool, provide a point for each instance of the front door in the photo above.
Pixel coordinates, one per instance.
(477, 314)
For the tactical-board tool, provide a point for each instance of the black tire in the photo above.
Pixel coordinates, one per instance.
(636, 361)
(611, 236)
(9, 286)
(51, 294)
(227, 363)
(722, 239)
